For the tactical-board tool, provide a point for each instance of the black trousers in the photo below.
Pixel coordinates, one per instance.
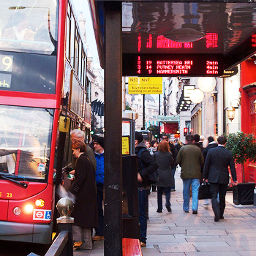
(218, 206)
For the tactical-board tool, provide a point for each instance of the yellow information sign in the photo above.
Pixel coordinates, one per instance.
(64, 123)
(145, 85)
(125, 146)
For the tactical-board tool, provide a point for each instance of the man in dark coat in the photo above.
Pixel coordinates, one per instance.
(146, 166)
(211, 144)
(197, 141)
(217, 161)
(78, 134)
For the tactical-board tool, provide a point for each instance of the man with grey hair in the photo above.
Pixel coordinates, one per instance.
(79, 135)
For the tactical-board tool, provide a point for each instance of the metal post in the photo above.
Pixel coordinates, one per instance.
(113, 129)
(159, 112)
(143, 113)
(65, 222)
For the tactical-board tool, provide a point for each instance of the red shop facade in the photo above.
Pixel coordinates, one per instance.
(248, 109)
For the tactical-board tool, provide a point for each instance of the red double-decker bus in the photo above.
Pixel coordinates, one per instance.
(42, 80)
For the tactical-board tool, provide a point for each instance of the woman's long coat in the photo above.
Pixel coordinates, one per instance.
(85, 210)
(165, 163)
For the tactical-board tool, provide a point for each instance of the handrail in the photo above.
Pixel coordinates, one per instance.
(58, 245)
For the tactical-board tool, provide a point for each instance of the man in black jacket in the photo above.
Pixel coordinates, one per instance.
(216, 173)
(147, 166)
(211, 144)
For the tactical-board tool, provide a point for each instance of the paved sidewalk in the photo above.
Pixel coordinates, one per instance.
(186, 234)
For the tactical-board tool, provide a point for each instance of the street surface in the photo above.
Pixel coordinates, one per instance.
(20, 249)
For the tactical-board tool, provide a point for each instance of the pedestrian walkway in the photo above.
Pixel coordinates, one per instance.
(186, 234)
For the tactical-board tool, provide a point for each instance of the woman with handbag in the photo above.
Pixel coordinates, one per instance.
(165, 162)
(84, 189)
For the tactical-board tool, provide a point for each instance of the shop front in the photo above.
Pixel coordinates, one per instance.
(248, 108)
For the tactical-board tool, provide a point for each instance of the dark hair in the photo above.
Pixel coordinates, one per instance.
(77, 144)
(222, 140)
(99, 140)
(138, 137)
(189, 138)
(196, 137)
(210, 139)
(164, 146)
(153, 143)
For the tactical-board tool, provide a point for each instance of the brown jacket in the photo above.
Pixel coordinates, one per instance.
(191, 160)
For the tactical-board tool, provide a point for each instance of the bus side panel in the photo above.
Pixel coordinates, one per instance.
(4, 208)
(11, 191)
(11, 231)
(39, 214)
(42, 234)
(24, 232)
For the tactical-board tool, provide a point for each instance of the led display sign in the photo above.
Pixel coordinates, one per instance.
(152, 44)
(172, 65)
(209, 41)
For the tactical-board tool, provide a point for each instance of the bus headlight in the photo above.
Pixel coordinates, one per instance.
(39, 203)
(28, 208)
(17, 211)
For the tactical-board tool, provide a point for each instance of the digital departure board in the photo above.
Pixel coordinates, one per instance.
(172, 65)
(159, 44)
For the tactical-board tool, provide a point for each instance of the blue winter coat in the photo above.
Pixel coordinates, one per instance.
(99, 168)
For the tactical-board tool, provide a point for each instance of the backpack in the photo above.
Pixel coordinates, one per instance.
(153, 177)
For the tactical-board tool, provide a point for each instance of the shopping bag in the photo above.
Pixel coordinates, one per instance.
(204, 191)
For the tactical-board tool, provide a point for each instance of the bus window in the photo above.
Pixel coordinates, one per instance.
(29, 26)
(25, 139)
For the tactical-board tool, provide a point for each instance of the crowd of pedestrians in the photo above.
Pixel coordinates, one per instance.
(198, 165)
(157, 163)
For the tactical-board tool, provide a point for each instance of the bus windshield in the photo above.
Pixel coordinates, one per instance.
(28, 26)
(25, 138)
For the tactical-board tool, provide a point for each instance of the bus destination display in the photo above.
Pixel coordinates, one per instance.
(6, 62)
(171, 65)
(24, 72)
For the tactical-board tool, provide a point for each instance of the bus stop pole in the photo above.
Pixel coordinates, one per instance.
(113, 129)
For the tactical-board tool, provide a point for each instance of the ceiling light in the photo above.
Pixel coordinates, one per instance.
(206, 84)
(197, 96)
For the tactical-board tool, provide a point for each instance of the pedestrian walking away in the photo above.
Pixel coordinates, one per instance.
(84, 189)
(153, 150)
(190, 159)
(165, 163)
(174, 151)
(216, 172)
(211, 144)
(146, 166)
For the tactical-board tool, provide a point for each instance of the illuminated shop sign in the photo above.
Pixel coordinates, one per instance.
(172, 65)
